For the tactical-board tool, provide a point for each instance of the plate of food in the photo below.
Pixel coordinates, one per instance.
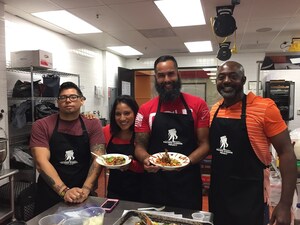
(113, 161)
(169, 160)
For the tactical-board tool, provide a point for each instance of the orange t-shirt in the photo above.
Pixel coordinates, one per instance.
(263, 120)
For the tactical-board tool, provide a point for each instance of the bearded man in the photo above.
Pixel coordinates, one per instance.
(184, 117)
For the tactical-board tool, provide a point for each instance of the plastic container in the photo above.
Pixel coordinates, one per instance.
(75, 221)
(95, 215)
(52, 219)
(297, 215)
(297, 149)
(198, 216)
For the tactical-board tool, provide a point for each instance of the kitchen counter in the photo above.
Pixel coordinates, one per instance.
(109, 218)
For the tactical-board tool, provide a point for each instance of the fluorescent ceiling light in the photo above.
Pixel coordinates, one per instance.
(199, 46)
(67, 21)
(181, 13)
(125, 50)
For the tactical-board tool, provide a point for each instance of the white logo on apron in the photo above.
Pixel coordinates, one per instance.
(172, 137)
(69, 158)
(223, 146)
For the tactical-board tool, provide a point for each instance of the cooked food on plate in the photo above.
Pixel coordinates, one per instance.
(166, 160)
(115, 160)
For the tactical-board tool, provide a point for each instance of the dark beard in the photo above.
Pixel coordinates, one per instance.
(166, 96)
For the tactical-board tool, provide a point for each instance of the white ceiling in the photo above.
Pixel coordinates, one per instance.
(124, 22)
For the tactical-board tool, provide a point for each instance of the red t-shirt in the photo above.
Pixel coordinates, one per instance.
(146, 114)
(42, 130)
(135, 166)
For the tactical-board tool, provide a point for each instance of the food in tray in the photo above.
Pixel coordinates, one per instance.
(115, 160)
(155, 223)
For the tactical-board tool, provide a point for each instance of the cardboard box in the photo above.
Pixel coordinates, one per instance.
(36, 58)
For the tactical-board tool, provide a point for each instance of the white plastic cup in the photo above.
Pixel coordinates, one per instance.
(198, 216)
(52, 219)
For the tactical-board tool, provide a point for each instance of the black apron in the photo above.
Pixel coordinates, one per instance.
(174, 188)
(124, 185)
(236, 190)
(70, 156)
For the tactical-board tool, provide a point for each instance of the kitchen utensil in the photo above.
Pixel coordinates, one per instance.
(152, 208)
(100, 157)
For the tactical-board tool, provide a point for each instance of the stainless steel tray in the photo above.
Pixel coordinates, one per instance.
(133, 216)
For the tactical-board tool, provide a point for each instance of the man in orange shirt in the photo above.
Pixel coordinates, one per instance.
(242, 128)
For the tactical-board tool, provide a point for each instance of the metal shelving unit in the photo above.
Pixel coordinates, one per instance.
(7, 212)
(19, 136)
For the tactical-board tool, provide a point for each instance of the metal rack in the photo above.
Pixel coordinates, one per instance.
(38, 71)
(8, 211)
(19, 136)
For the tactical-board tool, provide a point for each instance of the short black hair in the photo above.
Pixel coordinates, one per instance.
(128, 100)
(165, 58)
(69, 85)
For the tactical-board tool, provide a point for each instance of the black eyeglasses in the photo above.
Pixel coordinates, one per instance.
(72, 98)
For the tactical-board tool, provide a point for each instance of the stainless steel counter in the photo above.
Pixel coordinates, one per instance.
(109, 218)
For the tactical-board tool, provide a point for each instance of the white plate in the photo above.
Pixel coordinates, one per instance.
(184, 160)
(103, 163)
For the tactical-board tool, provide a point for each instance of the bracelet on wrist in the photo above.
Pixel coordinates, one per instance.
(87, 188)
(63, 192)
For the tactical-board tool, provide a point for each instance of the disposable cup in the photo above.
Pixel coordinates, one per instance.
(198, 216)
(53, 219)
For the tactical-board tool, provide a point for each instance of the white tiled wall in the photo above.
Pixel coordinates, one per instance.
(68, 56)
(3, 99)
(250, 63)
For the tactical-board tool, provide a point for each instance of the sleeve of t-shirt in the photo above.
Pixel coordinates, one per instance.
(96, 135)
(39, 135)
(202, 115)
(142, 120)
(106, 132)
(274, 124)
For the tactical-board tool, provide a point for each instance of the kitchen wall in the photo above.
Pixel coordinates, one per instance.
(3, 99)
(250, 63)
(96, 68)
(68, 56)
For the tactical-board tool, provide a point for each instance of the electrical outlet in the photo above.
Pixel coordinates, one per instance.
(298, 111)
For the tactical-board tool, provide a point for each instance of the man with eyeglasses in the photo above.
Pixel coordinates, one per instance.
(61, 146)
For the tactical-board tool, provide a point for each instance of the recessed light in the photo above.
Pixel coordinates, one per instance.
(181, 13)
(67, 21)
(199, 46)
(125, 50)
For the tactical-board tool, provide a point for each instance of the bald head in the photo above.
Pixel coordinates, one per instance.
(233, 66)
(230, 81)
